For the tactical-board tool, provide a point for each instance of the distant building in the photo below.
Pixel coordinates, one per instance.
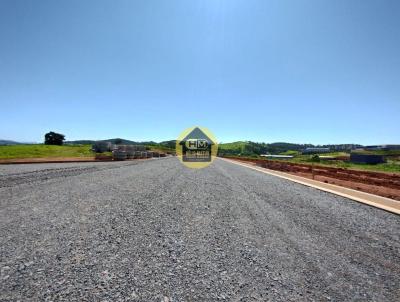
(382, 147)
(373, 148)
(391, 147)
(313, 150)
(359, 158)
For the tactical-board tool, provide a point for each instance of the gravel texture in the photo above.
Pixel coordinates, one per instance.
(157, 231)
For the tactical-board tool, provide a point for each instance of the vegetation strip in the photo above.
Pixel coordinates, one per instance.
(48, 161)
(380, 202)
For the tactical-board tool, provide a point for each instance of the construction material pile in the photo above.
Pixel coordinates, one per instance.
(123, 152)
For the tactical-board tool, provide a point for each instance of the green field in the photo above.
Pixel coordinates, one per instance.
(161, 148)
(40, 151)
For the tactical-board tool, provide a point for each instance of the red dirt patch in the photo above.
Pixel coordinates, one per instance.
(378, 183)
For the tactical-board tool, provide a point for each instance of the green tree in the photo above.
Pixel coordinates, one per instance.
(53, 138)
(118, 141)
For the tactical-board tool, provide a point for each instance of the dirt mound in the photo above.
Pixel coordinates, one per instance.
(383, 184)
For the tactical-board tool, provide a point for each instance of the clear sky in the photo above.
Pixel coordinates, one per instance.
(296, 71)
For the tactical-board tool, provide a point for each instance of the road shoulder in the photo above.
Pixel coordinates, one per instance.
(386, 204)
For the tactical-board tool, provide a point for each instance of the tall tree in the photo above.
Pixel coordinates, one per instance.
(53, 138)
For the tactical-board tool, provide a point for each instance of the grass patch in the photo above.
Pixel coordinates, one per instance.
(40, 151)
(290, 152)
(390, 166)
(379, 152)
(334, 154)
(160, 148)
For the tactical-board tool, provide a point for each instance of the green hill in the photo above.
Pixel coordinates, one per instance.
(5, 142)
(120, 141)
(248, 148)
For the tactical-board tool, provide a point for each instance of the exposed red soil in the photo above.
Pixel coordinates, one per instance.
(378, 183)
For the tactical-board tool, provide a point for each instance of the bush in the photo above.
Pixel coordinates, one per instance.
(315, 158)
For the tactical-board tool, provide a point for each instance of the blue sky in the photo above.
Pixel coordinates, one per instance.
(296, 71)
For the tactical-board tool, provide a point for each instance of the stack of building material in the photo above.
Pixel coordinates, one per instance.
(119, 155)
(120, 147)
(130, 152)
(101, 146)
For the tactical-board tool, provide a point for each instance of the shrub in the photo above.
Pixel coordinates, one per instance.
(315, 158)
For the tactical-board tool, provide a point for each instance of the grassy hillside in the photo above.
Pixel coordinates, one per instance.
(40, 151)
(119, 141)
(233, 148)
(248, 148)
(160, 148)
(4, 142)
(379, 152)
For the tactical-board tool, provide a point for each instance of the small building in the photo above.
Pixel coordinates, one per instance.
(314, 150)
(391, 147)
(359, 158)
(373, 148)
(382, 147)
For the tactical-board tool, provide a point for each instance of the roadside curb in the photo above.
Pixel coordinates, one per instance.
(380, 202)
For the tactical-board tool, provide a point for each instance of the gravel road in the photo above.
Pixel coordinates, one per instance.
(157, 231)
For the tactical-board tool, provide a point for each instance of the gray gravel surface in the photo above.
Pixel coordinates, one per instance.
(157, 231)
